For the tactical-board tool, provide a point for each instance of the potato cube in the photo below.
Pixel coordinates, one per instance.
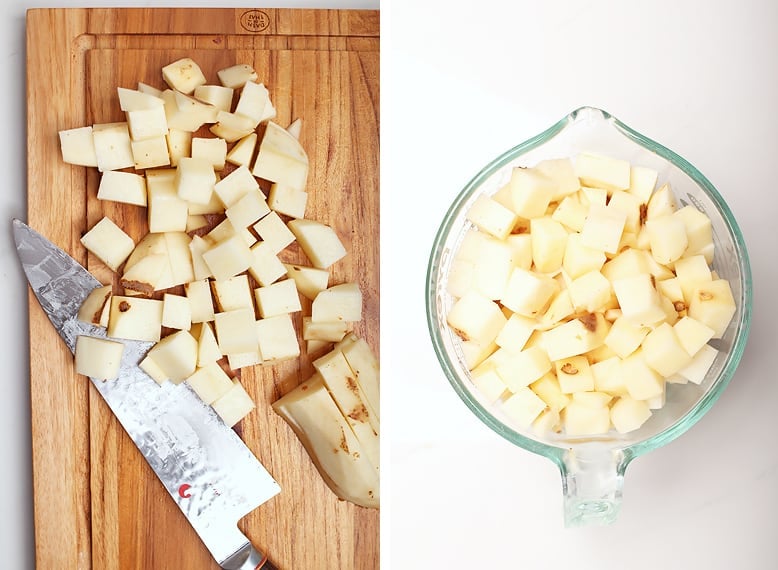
(211, 150)
(639, 301)
(642, 381)
(474, 317)
(528, 293)
(210, 382)
(287, 200)
(488, 383)
(698, 368)
(216, 95)
(200, 300)
(491, 217)
(575, 337)
(235, 185)
(195, 179)
(250, 208)
(153, 370)
(147, 123)
(98, 358)
(628, 414)
(277, 298)
(624, 337)
(112, 146)
(603, 228)
(580, 419)
(520, 369)
(319, 241)
(228, 258)
(176, 355)
(530, 192)
(125, 187)
(183, 75)
(167, 212)
(330, 332)
(233, 406)
(232, 127)
(523, 407)
(232, 293)
(603, 171)
(281, 158)
(242, 153)
(607, 376)
(135, 318)
(642, 181)
(277, 338)
(341, 302)
(109, 243)
(235, 76)
(96, 307)
(236, 331)
(179, 144)
(713, 305)
(265, 266)
(186, 113)
(150, 153)
(272, 230)
(574, 374)
(137, 100)
(309, 280)
(207, 346)
(176, 312)
(254, 102)
(590, 292)
(78, 146)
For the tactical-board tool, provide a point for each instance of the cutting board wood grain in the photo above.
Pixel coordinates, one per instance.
(97, 503)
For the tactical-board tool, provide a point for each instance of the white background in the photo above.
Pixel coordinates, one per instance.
(459, 86)
(467, 84)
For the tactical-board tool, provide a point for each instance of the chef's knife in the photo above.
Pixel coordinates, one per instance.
(209, 472)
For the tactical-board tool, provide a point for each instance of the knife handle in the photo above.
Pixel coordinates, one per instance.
(265, 564)
(258, 561)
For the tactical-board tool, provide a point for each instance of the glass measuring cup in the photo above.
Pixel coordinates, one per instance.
(593, 467)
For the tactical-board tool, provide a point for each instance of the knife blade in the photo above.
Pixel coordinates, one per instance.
(208, 471)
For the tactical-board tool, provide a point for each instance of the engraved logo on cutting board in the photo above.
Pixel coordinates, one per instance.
(254, 20)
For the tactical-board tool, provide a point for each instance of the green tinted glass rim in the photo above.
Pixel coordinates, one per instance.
(743, 326)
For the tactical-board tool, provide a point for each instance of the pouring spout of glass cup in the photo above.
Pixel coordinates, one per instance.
(592, 480)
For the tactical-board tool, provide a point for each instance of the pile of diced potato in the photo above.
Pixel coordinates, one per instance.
(581, 290)
(236, 298)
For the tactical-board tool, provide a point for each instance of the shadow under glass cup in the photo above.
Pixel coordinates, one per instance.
(592, 467)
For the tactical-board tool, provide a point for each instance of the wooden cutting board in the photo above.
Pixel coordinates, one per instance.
(97, 502)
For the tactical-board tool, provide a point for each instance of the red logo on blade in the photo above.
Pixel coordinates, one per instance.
(183, 491)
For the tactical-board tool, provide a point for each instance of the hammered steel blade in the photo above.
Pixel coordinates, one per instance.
(206, 468)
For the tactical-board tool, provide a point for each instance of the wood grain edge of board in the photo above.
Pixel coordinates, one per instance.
(200, 21)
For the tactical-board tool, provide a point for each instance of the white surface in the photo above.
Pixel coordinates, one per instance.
(16, 522)
(466, 84)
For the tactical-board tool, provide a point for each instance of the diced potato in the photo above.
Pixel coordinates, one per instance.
(210, 382)
(341, 302)
(277, 298)
(277, 338)
(134, 318)
(234, 405)
(319, 241)
(108, 242)
(77, 146)
(183, 75)
(98, 358)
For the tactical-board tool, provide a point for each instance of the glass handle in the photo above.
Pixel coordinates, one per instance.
(592, 479)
